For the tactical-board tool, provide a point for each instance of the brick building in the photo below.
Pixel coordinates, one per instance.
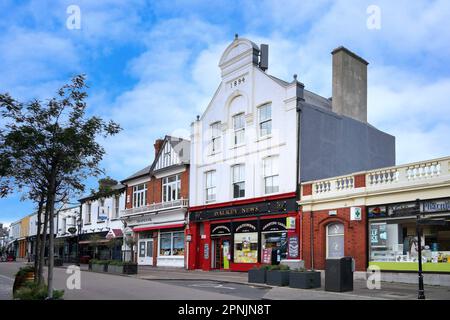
(156, 205)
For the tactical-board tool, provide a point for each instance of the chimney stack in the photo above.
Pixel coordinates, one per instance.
(158, 144)
(349, 84)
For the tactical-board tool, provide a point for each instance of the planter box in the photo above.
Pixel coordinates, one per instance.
(100, 267)
(256, 276)
(58, 262)
(277, 278)
(304, 280)
(126, 269)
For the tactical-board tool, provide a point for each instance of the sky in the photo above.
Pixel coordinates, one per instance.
(152, 66)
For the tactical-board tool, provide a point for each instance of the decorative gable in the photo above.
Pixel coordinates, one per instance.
(167, 156)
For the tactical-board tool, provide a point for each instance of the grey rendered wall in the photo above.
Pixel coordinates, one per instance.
(333, 145)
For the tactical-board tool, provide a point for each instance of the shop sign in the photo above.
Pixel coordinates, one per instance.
(188, 238)
(206, 251)
(376, 211)
(293, 246)
(435, 206)
(290, 223)
(355, 213)
(274, 225)
(254, 209)
(247, 226)
(219, 229)
(332, 213)
(72, 230)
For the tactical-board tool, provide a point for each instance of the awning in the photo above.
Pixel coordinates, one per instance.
(114, 233)
(97, 241)
(167, 226)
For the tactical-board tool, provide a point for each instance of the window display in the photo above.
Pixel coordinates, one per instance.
(394, 246)
(246, 247)
(274, 244)
(171, 244)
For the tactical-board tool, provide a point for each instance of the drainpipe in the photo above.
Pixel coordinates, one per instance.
(312, 239)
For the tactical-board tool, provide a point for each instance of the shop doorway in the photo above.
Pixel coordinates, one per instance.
(221, 253)
(146, 252)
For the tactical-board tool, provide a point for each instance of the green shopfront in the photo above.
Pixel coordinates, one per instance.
(393, 241)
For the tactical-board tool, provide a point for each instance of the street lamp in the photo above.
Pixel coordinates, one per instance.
(421, 294)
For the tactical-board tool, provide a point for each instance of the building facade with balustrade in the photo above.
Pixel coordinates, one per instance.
(372, 216)
(156, 204)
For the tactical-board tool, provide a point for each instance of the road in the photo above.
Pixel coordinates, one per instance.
(99, 286)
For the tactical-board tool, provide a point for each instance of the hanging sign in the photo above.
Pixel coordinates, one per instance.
(290, 223)
(355, 213)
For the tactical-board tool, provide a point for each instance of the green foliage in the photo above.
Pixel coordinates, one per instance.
(24, 270)
(33, 291)
(300, 270)
(101, 262)
(278, 267)
(121, 263)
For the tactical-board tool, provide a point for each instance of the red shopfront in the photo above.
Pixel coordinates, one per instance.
(241, 234)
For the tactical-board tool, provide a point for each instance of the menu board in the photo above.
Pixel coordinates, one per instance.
(293, 246)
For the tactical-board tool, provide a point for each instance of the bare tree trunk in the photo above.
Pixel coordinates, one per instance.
(42, 248)
(51, 244)
(37, 244)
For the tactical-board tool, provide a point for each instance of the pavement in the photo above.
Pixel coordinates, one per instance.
(178, 284)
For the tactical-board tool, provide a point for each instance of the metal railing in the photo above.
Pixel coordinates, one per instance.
(180, 203)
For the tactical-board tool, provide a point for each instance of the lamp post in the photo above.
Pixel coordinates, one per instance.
(421, 294)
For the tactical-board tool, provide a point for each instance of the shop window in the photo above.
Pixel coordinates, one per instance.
(238, 173)
(246, 247)
(265, 120)
(141, 249)
(171, 244)
(171, 188)
(210, 178)
(274, 246)
(215, 137)
(270, 172)
(88, 213)
(239, 128)
(394, 246)
(335, 240)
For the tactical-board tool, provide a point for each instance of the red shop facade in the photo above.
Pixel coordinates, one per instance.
(239, 235)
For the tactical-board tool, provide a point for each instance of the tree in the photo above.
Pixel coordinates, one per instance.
(49, 148)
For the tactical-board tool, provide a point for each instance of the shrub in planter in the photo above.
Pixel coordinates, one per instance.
(99, 265)
(303, 279)
(122, 267)
(278, 275)
(258, 275)
(25, 274)
(33, 291)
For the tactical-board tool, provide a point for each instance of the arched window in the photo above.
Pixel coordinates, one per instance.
(335, 240)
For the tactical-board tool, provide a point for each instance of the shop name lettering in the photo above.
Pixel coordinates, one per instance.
(229, 212)
(248, 225)
(436, 206)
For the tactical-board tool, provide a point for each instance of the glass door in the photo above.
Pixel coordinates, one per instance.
(146, 252)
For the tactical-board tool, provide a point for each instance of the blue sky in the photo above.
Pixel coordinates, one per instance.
(152, 65)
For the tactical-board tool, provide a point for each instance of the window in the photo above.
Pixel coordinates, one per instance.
(215, 137)
(171, 188)
(63, 225)
(210, 186)
(270, 172)
(171, 244)
(238, 173)
(265, 120)
(101, 209)
(116, 206)
(88, 213)
(239, 128)
(139, 195)
(335, 240)
(246, 247)
(167, 155)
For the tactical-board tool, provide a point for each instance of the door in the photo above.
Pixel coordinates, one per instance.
(221, 253)
(146, 252)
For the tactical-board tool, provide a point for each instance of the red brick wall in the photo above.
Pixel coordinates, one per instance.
(355, 237)
(307, 189)
(360, 181)
(129, 204)
(185, 184)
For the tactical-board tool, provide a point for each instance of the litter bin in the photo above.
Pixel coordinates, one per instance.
(339, 274)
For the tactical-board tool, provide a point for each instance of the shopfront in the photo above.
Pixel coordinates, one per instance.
(393, 241)
(240, 236)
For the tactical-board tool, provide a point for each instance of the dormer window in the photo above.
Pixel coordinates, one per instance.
(167, 155)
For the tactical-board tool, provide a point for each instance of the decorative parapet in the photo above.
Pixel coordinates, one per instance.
(155, 207)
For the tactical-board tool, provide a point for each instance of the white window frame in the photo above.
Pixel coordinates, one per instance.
(166, 196)
(116, 204)
(212, 174)
(238, 131)
(88, 213)
(167, 155)
(267, 120)
(171, 244)
(273, 174)
(238, 181)
(215, 137)
(140, 195)
(334, 235)
(64, 225)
